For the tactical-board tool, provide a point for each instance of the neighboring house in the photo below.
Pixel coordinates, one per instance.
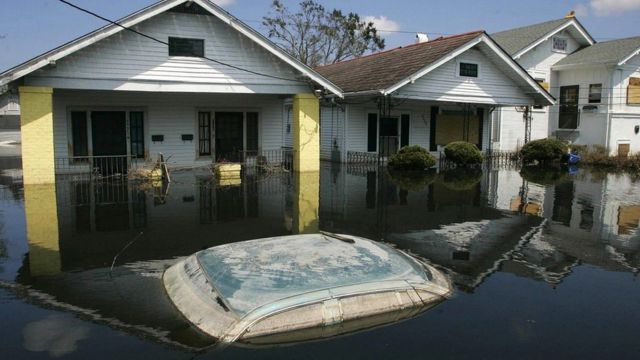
(599, 93)
(428, 94)
(115, 92)
(536, 48)
(9, 111)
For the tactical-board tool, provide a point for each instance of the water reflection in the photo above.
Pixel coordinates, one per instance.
(99, 248)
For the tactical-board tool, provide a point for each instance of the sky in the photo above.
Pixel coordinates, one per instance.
(31, 27)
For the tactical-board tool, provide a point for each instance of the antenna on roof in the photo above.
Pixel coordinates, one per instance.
(421, 38)
(570, 15)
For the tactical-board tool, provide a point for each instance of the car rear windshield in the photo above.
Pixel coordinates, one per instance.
(254, 273)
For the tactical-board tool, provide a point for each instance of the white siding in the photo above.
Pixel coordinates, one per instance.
(170, 115)
(491, 87)
(331, 131)
(622, 132)
(621, 82)
(537, 62)
(592, 126)
(128, 61)
(512, 127)
(9, 104)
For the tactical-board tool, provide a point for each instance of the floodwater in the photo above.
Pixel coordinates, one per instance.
(543, 266)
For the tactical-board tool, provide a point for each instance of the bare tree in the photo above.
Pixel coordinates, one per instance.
(316, 36)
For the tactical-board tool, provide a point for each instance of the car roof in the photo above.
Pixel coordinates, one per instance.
(252, 274)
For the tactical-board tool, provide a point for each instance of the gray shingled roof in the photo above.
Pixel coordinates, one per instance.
(606, 52)
(514, 40)
(382, 70)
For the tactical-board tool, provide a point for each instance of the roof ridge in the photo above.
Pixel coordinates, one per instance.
(620, 39)
(440, 38)
(532, 25)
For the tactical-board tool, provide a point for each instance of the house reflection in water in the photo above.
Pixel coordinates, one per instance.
(101, 238)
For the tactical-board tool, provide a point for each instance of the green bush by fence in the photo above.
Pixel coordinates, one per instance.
(463, 153)
(412, 157)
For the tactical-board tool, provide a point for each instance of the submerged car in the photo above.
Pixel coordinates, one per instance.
(301, 287)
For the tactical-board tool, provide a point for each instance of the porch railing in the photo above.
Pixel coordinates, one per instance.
(96, 166)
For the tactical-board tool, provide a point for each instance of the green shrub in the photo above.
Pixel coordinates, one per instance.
(411, 157)
(463, 153)
(543, 151)
(412, 180)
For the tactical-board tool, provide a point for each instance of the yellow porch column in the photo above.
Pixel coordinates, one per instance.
(306, 206)
(306, 133)
(41, 212)
(36, 127)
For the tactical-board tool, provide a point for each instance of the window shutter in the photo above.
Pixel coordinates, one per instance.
(372, 133)
(404, 130)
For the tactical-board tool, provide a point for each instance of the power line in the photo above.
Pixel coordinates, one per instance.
(167, 44)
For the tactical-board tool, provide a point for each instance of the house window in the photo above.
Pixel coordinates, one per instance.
(204, 133)
(559, 44)
(186, 47)
(595, 93)
(569, 114)
(468, 69)
(79, 135)
(136, 134)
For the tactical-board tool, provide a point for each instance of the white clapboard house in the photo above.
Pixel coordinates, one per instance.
(429, 94)
(185, 79)
(597, 86)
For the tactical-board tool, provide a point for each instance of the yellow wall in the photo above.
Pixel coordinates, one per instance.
(306, 204)
(36, 126)
(40, 208)
(306, 133)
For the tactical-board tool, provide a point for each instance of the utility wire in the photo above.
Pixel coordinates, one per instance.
(259, 73)
(167, 44)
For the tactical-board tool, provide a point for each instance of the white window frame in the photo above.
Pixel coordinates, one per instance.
(589, 94)
(459, 62)
(553, 43)
(212, 112)
(126, 109)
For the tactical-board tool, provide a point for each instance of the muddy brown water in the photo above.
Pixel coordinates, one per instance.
(544, 266)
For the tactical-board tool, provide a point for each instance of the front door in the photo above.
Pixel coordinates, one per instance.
(568, 118)
(229, 136)
(109, 136)
(388, 136)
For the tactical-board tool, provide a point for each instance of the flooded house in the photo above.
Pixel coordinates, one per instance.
(597, 85)
(181, 78)
(429, 93)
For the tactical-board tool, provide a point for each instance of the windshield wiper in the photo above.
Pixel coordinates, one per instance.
(338, 237)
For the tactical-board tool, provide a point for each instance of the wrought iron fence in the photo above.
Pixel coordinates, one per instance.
(492, 158)
(361, 157)
(96, 166)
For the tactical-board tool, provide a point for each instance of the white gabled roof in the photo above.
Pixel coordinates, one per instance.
(147, 13)
(520, 41)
